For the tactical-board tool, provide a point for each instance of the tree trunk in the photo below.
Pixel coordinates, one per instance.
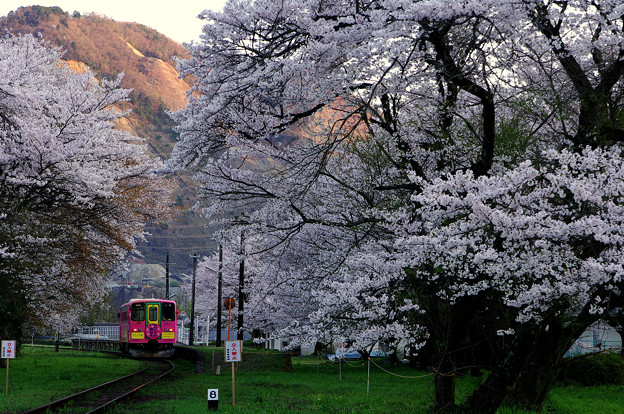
(489, 396)
(441, 337)
(12, 304)
(394, 356)
(456, 333)
(444, 384)
(449, 328)
(542, 366)
(524, 378)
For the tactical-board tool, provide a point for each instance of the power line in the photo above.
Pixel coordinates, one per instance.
(173, 248)
(178, 237)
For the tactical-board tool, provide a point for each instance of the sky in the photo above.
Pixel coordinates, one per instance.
(175, 19)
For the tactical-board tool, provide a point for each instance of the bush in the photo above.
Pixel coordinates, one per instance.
(596, 369)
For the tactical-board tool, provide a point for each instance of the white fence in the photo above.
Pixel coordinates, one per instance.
(98, 332)
(111, 332)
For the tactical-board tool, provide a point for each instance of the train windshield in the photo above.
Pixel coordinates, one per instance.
(138, 312)
(168, 312)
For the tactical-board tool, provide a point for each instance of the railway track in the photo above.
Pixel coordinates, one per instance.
(98, 398)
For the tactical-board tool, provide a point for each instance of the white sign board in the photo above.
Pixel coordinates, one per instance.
(233, 351)
(213, 394)
(8, 349)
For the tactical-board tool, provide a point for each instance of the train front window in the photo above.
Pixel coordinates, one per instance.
(168, 312)
(138, 312)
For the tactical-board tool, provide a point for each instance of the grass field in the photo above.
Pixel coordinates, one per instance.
(40, 375)
(263, 385)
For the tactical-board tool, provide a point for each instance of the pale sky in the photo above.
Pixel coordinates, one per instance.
(175, 19)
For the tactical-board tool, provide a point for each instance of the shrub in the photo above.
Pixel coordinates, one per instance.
(596, 369)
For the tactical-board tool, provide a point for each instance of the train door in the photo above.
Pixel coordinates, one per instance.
(152, 320)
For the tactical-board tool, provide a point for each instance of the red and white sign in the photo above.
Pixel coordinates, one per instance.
(233, 351)
(8, 349)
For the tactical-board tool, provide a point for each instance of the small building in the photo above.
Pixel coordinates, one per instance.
(598, 337)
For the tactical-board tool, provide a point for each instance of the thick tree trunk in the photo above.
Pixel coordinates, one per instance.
(524, 378)
(541, 368)
(441, 333)
(489, 396)
(12, 305)
(449, 329)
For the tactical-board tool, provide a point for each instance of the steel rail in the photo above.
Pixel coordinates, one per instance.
(127, 394)
(63, 401)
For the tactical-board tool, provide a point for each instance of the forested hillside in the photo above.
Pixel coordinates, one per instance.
(146, 59)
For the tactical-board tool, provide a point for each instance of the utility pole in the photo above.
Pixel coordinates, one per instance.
(167, 277)
(167, 273)
(241, 286)
(192, 327)
(219, 294)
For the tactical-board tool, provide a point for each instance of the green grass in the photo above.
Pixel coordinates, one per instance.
(40, 375)
(605, 399)
(263, 385)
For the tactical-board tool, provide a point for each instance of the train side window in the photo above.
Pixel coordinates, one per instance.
(138, 312)
(168, 312)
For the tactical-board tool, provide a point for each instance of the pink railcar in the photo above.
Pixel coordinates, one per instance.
(148, 327)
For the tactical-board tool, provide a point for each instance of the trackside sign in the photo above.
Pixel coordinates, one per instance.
(8, 353)
(233, 351)
(8, 349)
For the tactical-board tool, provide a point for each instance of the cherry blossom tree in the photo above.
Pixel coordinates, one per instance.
(208, 271)
(75, 192)
(415, 168)
(545, 238)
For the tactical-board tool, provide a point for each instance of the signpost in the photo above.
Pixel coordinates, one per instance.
(8, 352)
(213, 399)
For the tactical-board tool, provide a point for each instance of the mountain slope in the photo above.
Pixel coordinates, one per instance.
(146, 58)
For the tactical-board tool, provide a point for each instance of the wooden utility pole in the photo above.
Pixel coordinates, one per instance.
(219, 294)
(192, 327)
(241, 287)
(167, 277)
